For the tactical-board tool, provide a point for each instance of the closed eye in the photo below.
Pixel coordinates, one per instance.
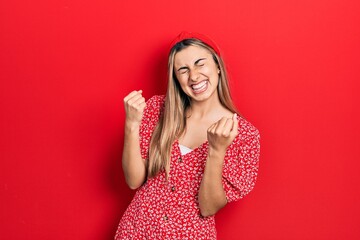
(200, 62)
(183, 70)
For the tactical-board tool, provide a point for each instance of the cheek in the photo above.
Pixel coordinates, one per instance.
(182, 80)
(209, 70)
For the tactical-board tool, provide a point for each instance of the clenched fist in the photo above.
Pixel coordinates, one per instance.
(134, 107)
(221, 134)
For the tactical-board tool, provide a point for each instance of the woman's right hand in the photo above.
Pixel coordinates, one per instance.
(134, 107)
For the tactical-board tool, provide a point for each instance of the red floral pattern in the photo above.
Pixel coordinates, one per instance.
(169, 209)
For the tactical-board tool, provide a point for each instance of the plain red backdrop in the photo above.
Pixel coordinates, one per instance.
(65, 67)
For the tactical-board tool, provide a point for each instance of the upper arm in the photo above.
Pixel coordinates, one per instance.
(148, 123)
(241, 163)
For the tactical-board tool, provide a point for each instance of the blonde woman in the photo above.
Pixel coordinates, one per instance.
(188, 153)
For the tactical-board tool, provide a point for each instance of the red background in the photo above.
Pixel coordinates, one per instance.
(66, 66)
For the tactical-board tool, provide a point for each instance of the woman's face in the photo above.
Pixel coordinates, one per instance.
(197, 73)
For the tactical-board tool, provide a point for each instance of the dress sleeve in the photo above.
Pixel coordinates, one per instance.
(241, 162)
(148, 123)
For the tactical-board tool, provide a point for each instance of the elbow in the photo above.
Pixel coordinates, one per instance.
(207, 211)
(133, 185)
(134, 181)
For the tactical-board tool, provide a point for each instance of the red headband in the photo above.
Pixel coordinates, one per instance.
(188, 35)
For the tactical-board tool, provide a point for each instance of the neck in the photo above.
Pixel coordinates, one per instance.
(201, 109)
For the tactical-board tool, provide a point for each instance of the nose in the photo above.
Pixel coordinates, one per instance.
(194, 75)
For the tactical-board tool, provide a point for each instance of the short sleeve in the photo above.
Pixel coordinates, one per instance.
(150, 118)
(241, 162)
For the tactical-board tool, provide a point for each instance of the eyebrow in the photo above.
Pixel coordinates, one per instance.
(196, 62)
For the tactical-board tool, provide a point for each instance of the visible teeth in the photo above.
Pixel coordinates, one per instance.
(199, 85)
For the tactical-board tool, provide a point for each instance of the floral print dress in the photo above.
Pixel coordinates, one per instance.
(169, 209)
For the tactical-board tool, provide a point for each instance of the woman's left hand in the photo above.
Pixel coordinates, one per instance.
(221, 134)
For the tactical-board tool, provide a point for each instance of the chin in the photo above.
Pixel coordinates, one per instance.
(201, 97)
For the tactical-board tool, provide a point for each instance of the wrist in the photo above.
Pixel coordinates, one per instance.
(132, 127)
(216, 153)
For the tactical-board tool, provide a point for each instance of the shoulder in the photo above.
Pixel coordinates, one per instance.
(151, 115)
(155, 102)
(248, 136)
(246, 129)
(247, 142)
(154, 107)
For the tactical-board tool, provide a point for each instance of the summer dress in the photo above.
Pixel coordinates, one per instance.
(169, 209)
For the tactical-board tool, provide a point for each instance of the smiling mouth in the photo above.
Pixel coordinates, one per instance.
(199, 87)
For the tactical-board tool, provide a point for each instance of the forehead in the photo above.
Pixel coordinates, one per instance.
(190, 54)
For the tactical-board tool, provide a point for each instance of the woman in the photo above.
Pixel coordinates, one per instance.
(196, 153)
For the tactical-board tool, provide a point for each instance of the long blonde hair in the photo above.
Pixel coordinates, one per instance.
(172, 122)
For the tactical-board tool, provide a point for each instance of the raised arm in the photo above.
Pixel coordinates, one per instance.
(212, 194)
(134, 166)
